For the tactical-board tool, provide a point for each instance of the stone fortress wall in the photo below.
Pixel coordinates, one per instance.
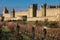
(52, 13)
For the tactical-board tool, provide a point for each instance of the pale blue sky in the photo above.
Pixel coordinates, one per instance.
(24, 4)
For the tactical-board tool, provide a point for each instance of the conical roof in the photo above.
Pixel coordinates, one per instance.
(5, 10)
(12, 10)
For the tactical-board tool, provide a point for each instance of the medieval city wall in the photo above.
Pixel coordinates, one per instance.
(42, 18)
(52, 11)
(39, 13)
(52, 14)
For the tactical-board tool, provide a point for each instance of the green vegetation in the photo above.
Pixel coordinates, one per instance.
(52, 24)
(25, 37)
(8, 33)
(5, 33)
(5, 29)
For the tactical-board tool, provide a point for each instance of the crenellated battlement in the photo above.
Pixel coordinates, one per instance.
(50, 6)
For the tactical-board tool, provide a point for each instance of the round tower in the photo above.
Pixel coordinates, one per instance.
(33, 10)
(13, 12)
(5, 10)
(44, 9)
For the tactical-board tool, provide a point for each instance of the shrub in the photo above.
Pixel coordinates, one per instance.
(53, 24)
(45, 22)
(25, 37)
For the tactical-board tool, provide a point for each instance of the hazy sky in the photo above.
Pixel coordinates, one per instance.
(24, 4)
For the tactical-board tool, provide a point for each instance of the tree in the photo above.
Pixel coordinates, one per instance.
(33, 32)
(45, 22)
(5, 32)
(36, 22)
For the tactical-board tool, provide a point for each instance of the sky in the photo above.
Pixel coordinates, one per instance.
(24, 4)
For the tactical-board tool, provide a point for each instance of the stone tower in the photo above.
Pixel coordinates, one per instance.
(44, 9)
(34, 10)
(5, 10)
(13, 12)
